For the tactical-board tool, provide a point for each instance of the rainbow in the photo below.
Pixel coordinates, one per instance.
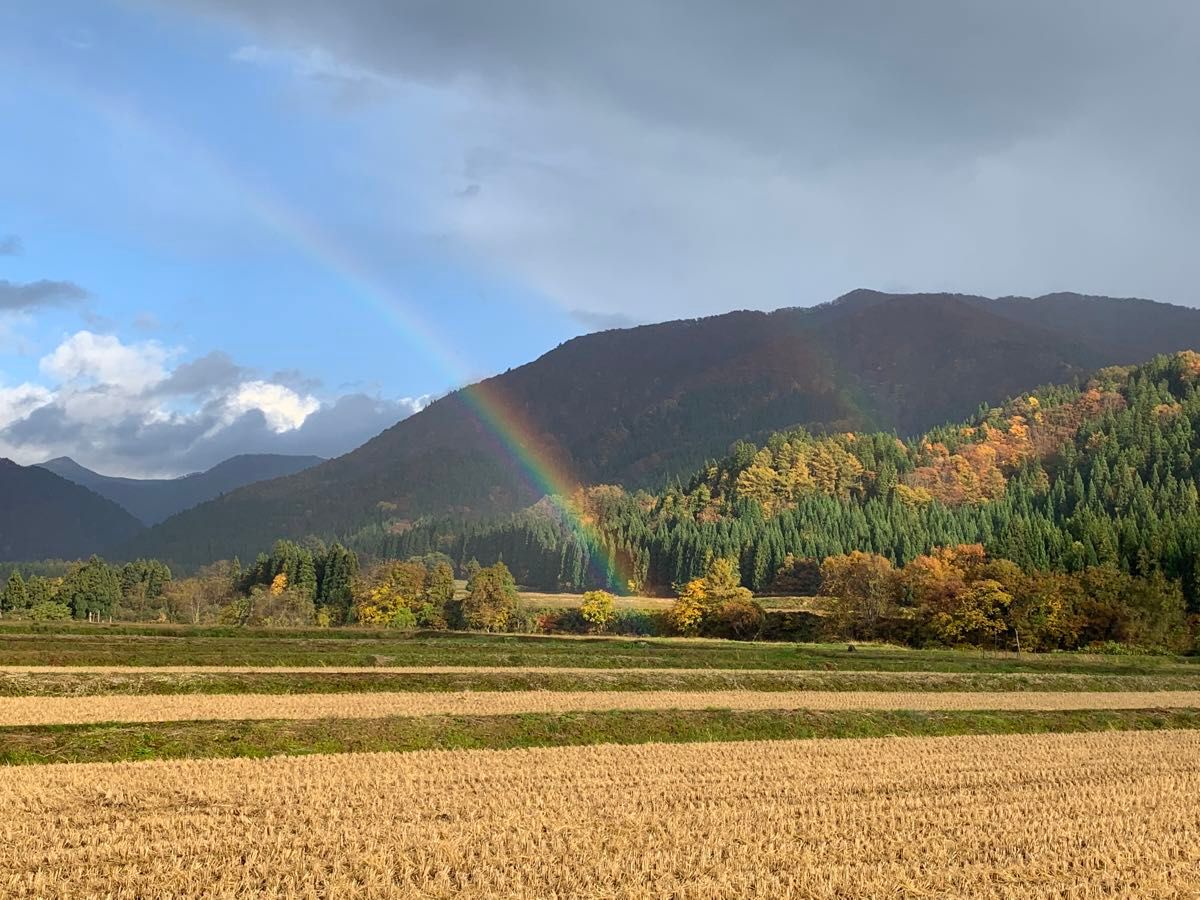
(545, 471)
(548, 473)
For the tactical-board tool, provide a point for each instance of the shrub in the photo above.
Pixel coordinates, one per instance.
(432, 616)
(49, 611)
(522, 621)
(289, 608)
(639, 623)
(738, 619)
(404, 619)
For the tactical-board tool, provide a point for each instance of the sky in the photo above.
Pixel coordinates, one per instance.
(281, 226)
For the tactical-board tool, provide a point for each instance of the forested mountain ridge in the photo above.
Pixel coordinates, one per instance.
(1059, 479)
(151, 500)
(635, 406)
(45, 516)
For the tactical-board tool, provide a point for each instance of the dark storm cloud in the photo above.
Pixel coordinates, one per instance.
(686, 156)
(32, 294)
(807, 78)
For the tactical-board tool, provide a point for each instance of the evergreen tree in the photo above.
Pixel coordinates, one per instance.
(91, 589)
(15, 596)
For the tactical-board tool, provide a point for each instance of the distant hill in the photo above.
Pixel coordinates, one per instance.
(44, 516)
(151, 500)
(638, 405)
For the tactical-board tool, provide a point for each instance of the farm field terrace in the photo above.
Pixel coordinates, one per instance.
(377, 764)
(80, 646)
(1087, 815)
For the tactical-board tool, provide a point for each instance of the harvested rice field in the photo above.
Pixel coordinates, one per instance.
(189, 707)
(1090, 815)
(237, 764)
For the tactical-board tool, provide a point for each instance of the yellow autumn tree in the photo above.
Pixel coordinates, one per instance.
(598, 609)
(863, 589)
(687, 611)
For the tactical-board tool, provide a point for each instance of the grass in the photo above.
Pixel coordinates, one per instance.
(536, 600)
(186, 740)
(149, 646)
(802, 604)
(143, 683)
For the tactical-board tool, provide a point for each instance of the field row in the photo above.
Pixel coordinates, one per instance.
(92, 681)
(1094, 815)
(198, 647)
(192, 707)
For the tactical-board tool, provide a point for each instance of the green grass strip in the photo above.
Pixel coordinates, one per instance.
(182, 648)
(188, 740)
(71, 684)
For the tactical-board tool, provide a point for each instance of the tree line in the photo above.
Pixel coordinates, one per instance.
(1086, 491)
(1061, 479)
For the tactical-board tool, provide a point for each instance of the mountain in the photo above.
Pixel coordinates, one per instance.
(153, 499)
(1061, 479)
(637, 405)
(43, 516)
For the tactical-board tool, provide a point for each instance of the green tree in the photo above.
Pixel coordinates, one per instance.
(143, 582)
(491, 599)
(15, 596)
(335, 591)
(439, 586)
(41, 590)
(306, 577)
(471, 569)
(91, 589)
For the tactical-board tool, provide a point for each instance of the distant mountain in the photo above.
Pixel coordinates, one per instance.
(637, 405)
(153, 499)
(43, 516)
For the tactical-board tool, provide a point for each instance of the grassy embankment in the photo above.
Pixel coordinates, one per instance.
(178, 646)
(576, 664)
(178, 740)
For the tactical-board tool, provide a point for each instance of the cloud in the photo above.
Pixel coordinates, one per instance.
(10, 245)
(18, 401)
(602, 321)
(691, 156)
(147, 321)
(212, 372)
(103, 359)
(281, 407)
(33, 294)
(131, 409)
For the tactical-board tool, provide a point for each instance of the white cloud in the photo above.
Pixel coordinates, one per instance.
(19, 401)
(130, 409)
(283, 408)
(131, 368)
(252, 54)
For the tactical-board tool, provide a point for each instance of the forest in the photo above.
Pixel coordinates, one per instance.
(1069, 513)
(1060, 479)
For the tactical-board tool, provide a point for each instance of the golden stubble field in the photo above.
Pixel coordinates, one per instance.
(1087, 815)
(195, 707)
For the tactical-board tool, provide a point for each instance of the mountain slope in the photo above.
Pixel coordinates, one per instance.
(637, 405)
(153, 499)
(1062, 478)
(43, 516)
